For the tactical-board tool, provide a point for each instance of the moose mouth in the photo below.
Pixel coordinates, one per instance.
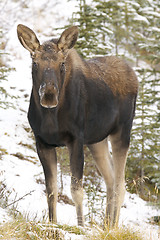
(48, 97)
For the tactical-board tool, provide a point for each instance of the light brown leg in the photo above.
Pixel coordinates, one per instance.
(119, 155)
(77, 196)
(104, 164)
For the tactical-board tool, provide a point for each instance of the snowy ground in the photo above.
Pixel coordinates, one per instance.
(21, 176)
(20, 170)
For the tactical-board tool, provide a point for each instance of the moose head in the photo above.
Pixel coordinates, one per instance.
(48, 62)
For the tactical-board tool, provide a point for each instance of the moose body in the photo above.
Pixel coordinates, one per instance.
(75, 103)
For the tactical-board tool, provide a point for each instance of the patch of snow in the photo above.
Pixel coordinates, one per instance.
(4, 217)
(141, 18)
(20, 175)
(136, 213)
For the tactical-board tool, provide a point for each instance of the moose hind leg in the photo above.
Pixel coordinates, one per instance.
(119, 155)
(104, 164)
(48, 160)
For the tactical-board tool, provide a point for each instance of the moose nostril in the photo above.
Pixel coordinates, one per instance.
(42, 89)
(48, 89)
(43, 85)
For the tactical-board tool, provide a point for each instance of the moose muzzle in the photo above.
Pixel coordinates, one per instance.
(48, 90)
(48, 94)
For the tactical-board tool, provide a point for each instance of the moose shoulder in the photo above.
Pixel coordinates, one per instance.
(76, 102)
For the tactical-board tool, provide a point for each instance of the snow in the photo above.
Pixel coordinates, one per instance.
(21, 176)
(136, 213)
(138, 17)
(4, 216)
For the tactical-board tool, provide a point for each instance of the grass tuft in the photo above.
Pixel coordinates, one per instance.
(122, 233)
(71, 229)
(19, 228)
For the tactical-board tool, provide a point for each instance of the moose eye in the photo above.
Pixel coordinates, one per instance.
(35, 65)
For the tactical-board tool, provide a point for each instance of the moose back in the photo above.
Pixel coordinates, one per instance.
(75, 102)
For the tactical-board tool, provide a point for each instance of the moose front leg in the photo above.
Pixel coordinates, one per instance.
(76, 165)
(48, 158)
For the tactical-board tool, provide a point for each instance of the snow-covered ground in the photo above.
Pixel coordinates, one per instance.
(20, 170)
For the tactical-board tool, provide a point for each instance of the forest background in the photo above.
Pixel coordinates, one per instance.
(131, 30)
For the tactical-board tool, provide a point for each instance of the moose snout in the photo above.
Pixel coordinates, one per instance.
(48, 94)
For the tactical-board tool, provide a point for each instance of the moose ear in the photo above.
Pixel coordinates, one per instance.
(27, 38)
(68, 39)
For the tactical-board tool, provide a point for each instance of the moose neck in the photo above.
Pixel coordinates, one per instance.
(76, 61)
(74, 65)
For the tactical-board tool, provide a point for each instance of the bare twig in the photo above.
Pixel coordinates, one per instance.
(20, 198)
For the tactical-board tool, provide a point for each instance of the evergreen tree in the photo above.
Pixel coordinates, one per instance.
(84, 18)
(146, 140)
(130, 28)
(4, 71)
(92, 30)
(143, 160)
(114, 14)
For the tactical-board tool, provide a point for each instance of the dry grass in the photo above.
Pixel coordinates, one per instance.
(122, 233)
(27, 230)
(20, 229)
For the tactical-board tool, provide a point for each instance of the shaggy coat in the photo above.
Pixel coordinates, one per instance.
(76, 102)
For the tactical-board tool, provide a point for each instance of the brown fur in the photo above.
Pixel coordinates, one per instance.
(75, 102)
(120, 78)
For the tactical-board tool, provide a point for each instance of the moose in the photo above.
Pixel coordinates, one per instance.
(76, 102)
